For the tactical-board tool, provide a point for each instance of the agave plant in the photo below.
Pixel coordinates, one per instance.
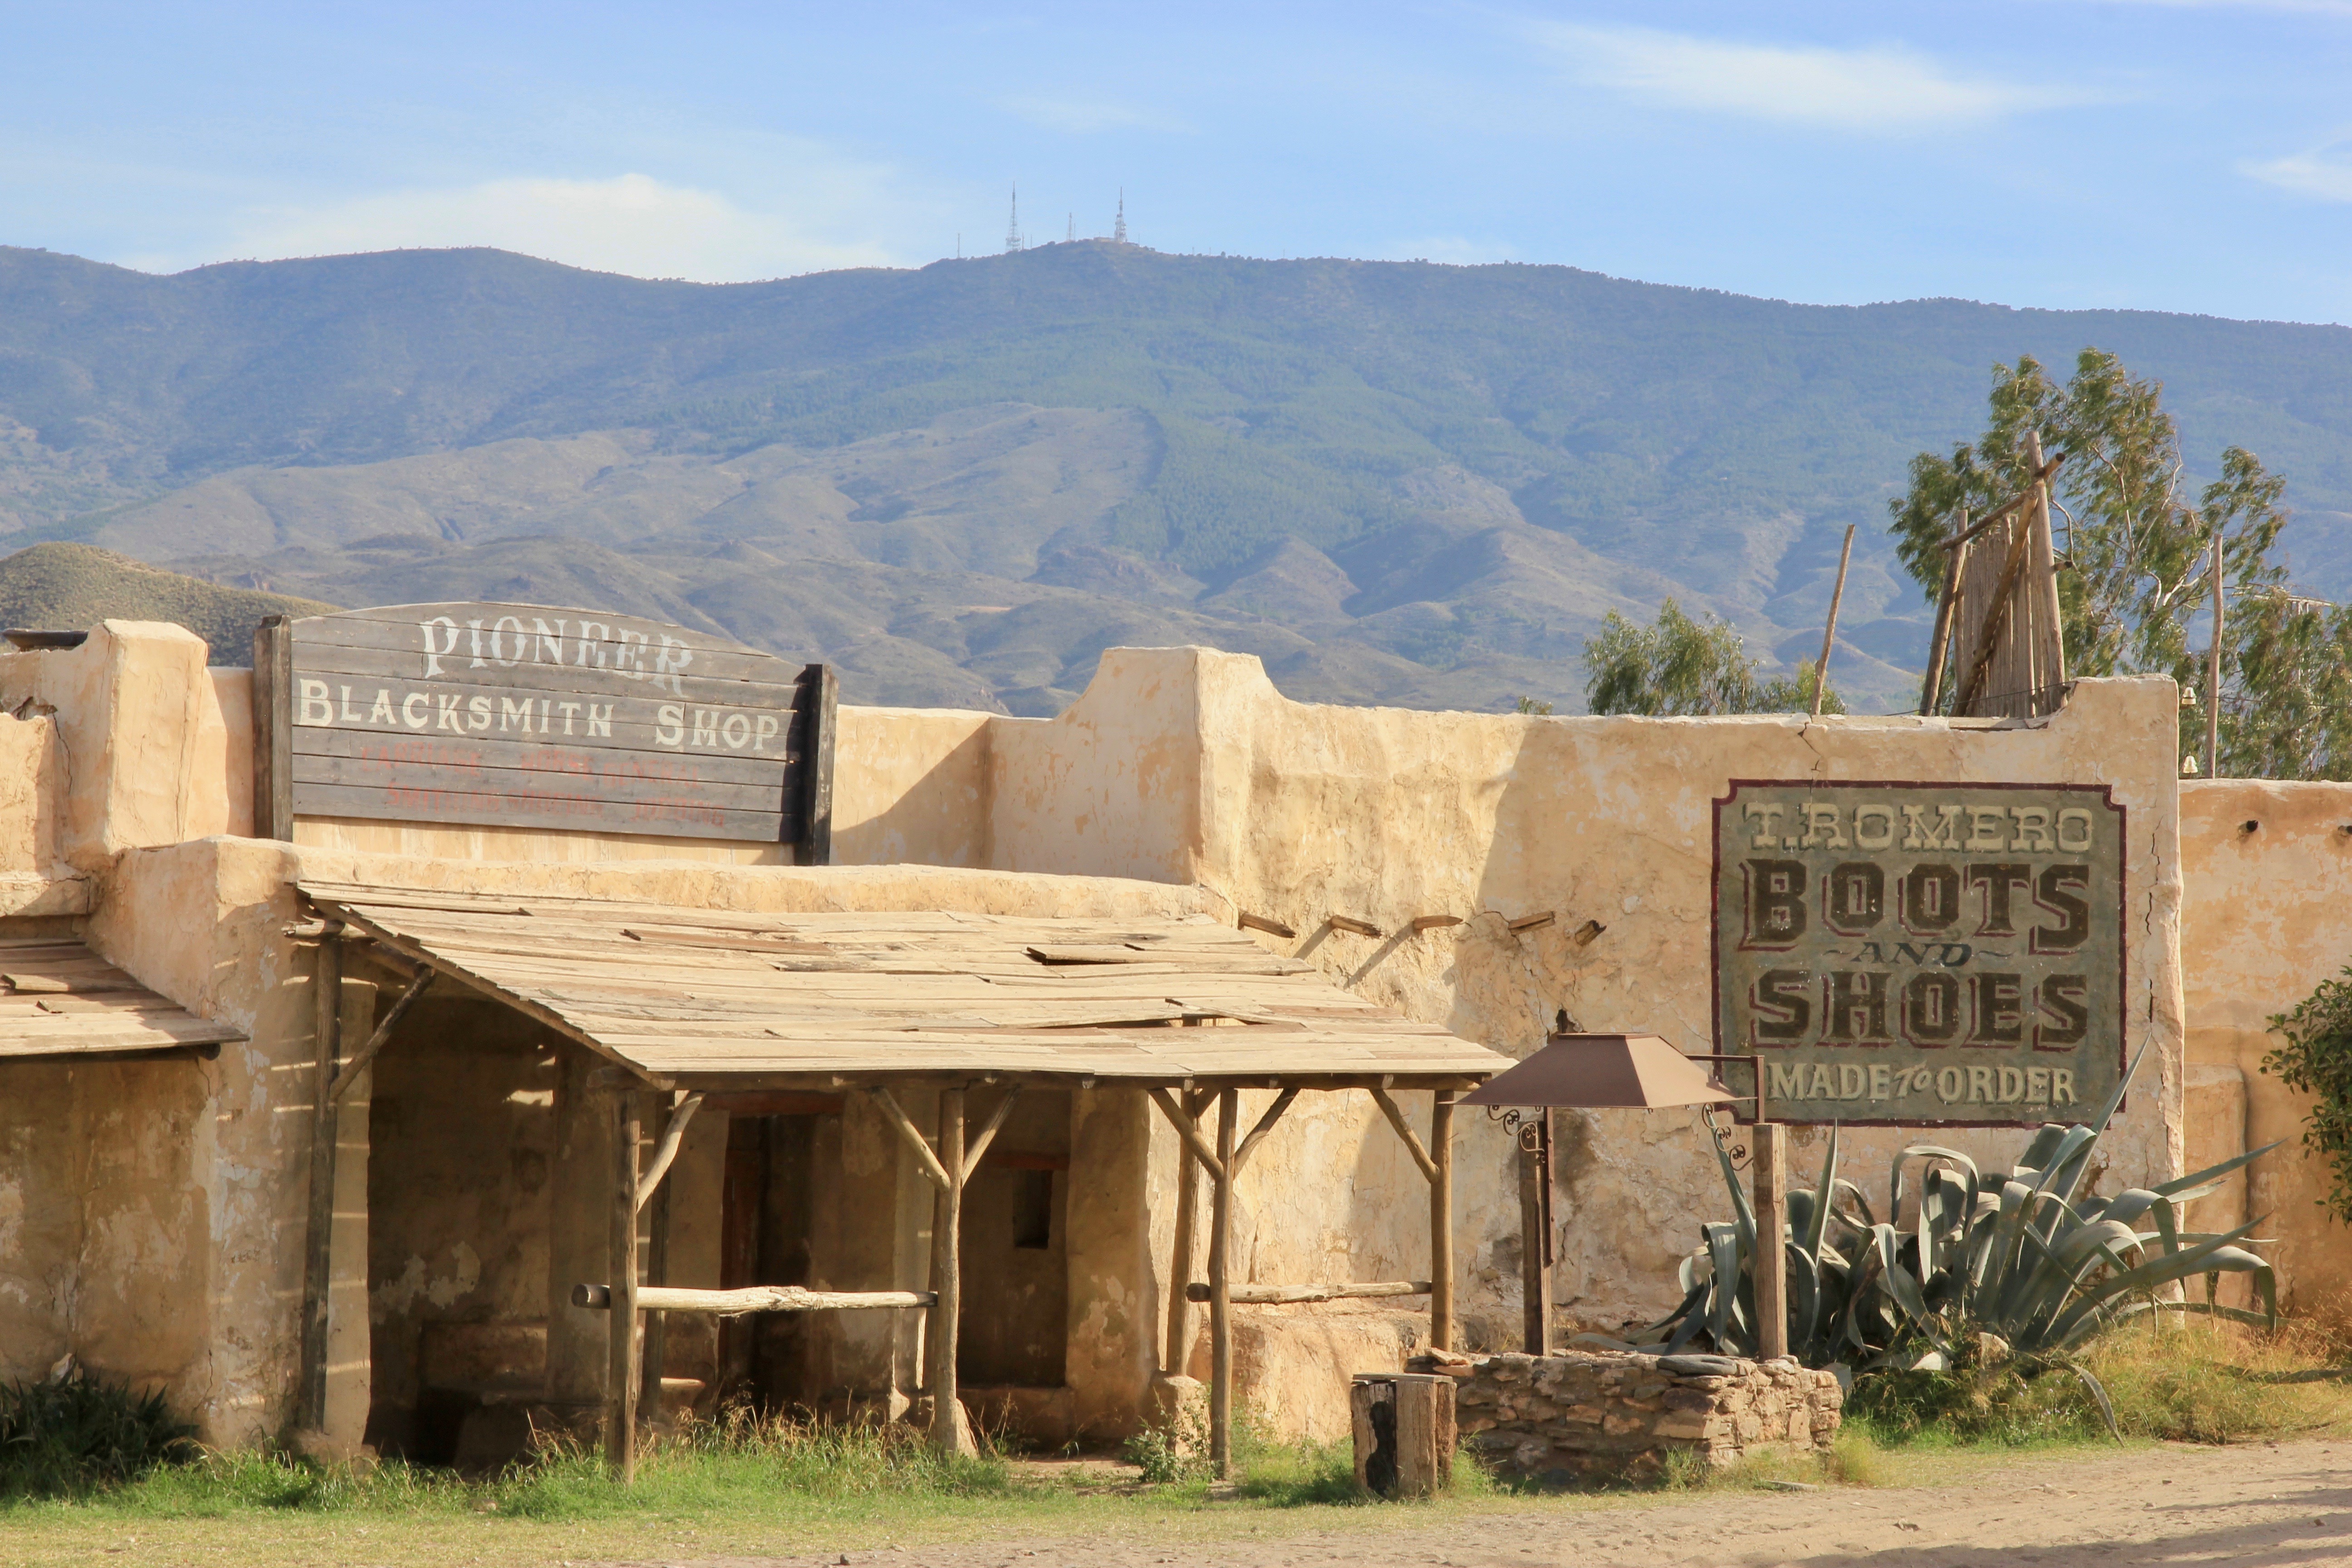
(2026, 1256)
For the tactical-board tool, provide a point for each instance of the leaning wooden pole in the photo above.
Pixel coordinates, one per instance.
(318, 1250)
(951, 1431)
(1940, 646)
(1441, 1220)
(621, 1363)
(1220, 1305)
(1829, 632)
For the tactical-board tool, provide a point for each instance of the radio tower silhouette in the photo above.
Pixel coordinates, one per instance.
(1119, 230)
(1012, 227)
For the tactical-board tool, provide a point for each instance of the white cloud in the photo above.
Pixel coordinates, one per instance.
(632, 223)
(1088, 117)
(2323, 172)
(1878, 88)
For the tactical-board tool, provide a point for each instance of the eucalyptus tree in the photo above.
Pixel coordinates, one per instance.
(2134, 551)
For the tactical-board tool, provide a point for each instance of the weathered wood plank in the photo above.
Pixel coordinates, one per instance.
(623, 778)
(427, 803)
(1288, 1295)
(439, 638)
(604, 757)
(752, 1299)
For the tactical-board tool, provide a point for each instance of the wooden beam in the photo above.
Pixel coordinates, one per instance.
(1434, 922)
(913, 1134)
(1249, 922)
(753, 1299)
(950, 1430)
(1288, 1295)
(366, 1054)
(1441, 1220)
(2038, 476)
(1771, 1254)
(318, 1258)
(1350, 924)
(1189, 1130)
(987, 1134)
(821, 710)
(1220, 1313)
(1396, 1119)
(1265, 1125)
(621, 1340)
(673, 1134)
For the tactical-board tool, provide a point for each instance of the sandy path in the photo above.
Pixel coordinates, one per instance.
(2261, 1504)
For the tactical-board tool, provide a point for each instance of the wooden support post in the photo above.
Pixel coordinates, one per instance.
(1940, 646)
(1441, 1220)
(1406, 1433)
(2213, 674)
(1770, 1140)
(621, 1366)
(1534, 1237)
(951, 1428)
(1220, 1307)
(273, 728)
(657, 1273)
(318, 1258)
(1179, 1259)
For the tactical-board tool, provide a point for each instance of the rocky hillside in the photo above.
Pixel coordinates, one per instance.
(1397, 483)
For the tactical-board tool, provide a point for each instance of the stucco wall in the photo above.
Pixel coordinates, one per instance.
(1186, 763)
(2267, 917)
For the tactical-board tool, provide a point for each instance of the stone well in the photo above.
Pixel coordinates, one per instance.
(1604, 1415)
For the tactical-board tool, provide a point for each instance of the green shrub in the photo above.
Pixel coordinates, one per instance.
(79, 1432)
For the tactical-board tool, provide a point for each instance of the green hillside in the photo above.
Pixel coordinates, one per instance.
(1478, 462)
(70, 588)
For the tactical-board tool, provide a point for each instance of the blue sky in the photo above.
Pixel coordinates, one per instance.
(2176, 156)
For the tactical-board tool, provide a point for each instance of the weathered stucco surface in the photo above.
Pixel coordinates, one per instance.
(1181, 781)
(2268, 917)
(1186, 764)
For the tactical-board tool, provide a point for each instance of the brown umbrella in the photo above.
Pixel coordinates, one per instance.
(1597, 1071)
(1590, 1072)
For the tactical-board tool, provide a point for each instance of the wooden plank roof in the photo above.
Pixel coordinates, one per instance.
(58, 998)
(712, 997)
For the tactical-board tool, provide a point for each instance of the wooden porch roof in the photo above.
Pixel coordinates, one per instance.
(720, 998)
(58, 998)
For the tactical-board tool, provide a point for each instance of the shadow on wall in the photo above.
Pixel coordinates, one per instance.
(912, 788)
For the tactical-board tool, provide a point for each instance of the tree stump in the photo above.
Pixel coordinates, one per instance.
(1404, 1433)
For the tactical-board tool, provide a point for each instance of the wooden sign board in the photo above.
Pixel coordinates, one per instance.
(526, 716)
(1922, 953)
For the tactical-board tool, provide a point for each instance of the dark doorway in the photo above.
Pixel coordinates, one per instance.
(764, 1240)
(1014, 1328)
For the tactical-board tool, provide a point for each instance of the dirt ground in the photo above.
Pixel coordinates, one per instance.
(2260, 1504)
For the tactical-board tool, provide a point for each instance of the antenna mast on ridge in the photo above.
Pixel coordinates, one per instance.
(1119, 231)
(1012, 227)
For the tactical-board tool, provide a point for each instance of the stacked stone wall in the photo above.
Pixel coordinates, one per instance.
(1608, 1415)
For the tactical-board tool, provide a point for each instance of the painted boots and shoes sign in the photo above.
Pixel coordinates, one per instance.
(1921, 952)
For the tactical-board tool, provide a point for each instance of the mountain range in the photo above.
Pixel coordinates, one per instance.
(1396, 482)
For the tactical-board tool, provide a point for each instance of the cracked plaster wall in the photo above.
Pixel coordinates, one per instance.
(2268, 917)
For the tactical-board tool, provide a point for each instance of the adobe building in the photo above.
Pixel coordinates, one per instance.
(1184, 884)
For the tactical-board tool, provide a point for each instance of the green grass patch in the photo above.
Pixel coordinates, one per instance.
(2195, 1382)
